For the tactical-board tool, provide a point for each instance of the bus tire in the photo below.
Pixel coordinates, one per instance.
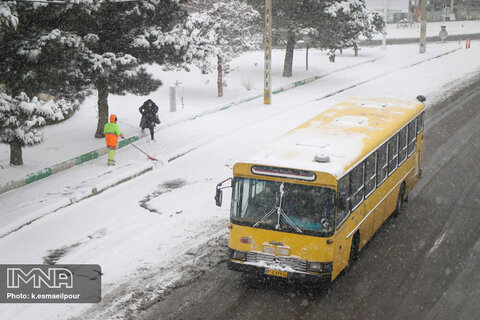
(400, 200)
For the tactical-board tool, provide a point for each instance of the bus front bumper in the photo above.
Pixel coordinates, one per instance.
(291, 275)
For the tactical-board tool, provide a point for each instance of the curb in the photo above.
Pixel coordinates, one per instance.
(59, 167)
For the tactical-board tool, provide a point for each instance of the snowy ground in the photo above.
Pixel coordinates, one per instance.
(162, 228)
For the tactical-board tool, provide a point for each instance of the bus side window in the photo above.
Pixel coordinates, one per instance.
(392, 154)
(381, 164)
(343, 189)
(370, 173)
(412, 137)
(402, 145)
(420, 122)
(356, 186)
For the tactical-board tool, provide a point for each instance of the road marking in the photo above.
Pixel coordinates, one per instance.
(438, 242)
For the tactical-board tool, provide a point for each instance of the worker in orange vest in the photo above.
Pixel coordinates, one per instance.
(112, 132)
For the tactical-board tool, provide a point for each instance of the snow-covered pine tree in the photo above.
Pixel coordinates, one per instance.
(192, 41)
(20, 118)
(375, 22)
(217, 31)
(36, 59)
(64, 47)
(289, 18)
(236, 33)
(122, 37)
(8, 16)
(113, 40)
(346, 21)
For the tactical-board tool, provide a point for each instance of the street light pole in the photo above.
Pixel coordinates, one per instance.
(385, 13)
(452, 15)
(444, 11)
(409, 18)
(267, 83)
(423, 27)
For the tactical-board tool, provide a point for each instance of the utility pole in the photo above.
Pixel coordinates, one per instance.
(444, 11)
(267, 84)
(385, 13)
(423, 27)
(452, 15)
(409, 18)
(306, 59)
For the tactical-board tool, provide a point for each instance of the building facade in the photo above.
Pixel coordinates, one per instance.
(439, 10)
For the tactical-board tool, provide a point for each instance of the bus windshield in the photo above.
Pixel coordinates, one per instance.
(284, 207)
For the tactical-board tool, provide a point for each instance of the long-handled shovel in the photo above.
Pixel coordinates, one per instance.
(149, 156)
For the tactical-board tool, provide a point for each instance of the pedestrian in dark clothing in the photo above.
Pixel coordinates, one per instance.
(150, 118)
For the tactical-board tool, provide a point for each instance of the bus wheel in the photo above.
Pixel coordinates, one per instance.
(399, 206)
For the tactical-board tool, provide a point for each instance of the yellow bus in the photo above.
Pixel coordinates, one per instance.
(307, 203)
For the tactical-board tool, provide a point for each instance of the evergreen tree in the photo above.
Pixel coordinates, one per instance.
(122, 37)
(228, 33)
(65, 47)
(235, 33)
(8, 16)
(20, 118)
(289, 18)
(329, 24)
(194, 41)
(346, 22)
(33, 53)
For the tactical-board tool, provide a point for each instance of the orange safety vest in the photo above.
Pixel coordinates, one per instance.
(112, 132)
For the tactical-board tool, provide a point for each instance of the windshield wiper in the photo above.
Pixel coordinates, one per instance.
(281, 213)
(265, 217)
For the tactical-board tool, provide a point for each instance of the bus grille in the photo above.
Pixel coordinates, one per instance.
(296, 264)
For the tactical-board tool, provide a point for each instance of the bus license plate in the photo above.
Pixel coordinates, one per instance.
(276, 273)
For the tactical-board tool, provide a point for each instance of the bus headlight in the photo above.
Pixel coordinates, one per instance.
(320, 266)
(237, 255)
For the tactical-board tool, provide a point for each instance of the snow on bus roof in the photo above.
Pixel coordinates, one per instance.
(345, 133)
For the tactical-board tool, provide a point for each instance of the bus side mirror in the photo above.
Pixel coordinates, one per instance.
(342, 201)
(218, 198)
(421, 98)
(219, 192)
